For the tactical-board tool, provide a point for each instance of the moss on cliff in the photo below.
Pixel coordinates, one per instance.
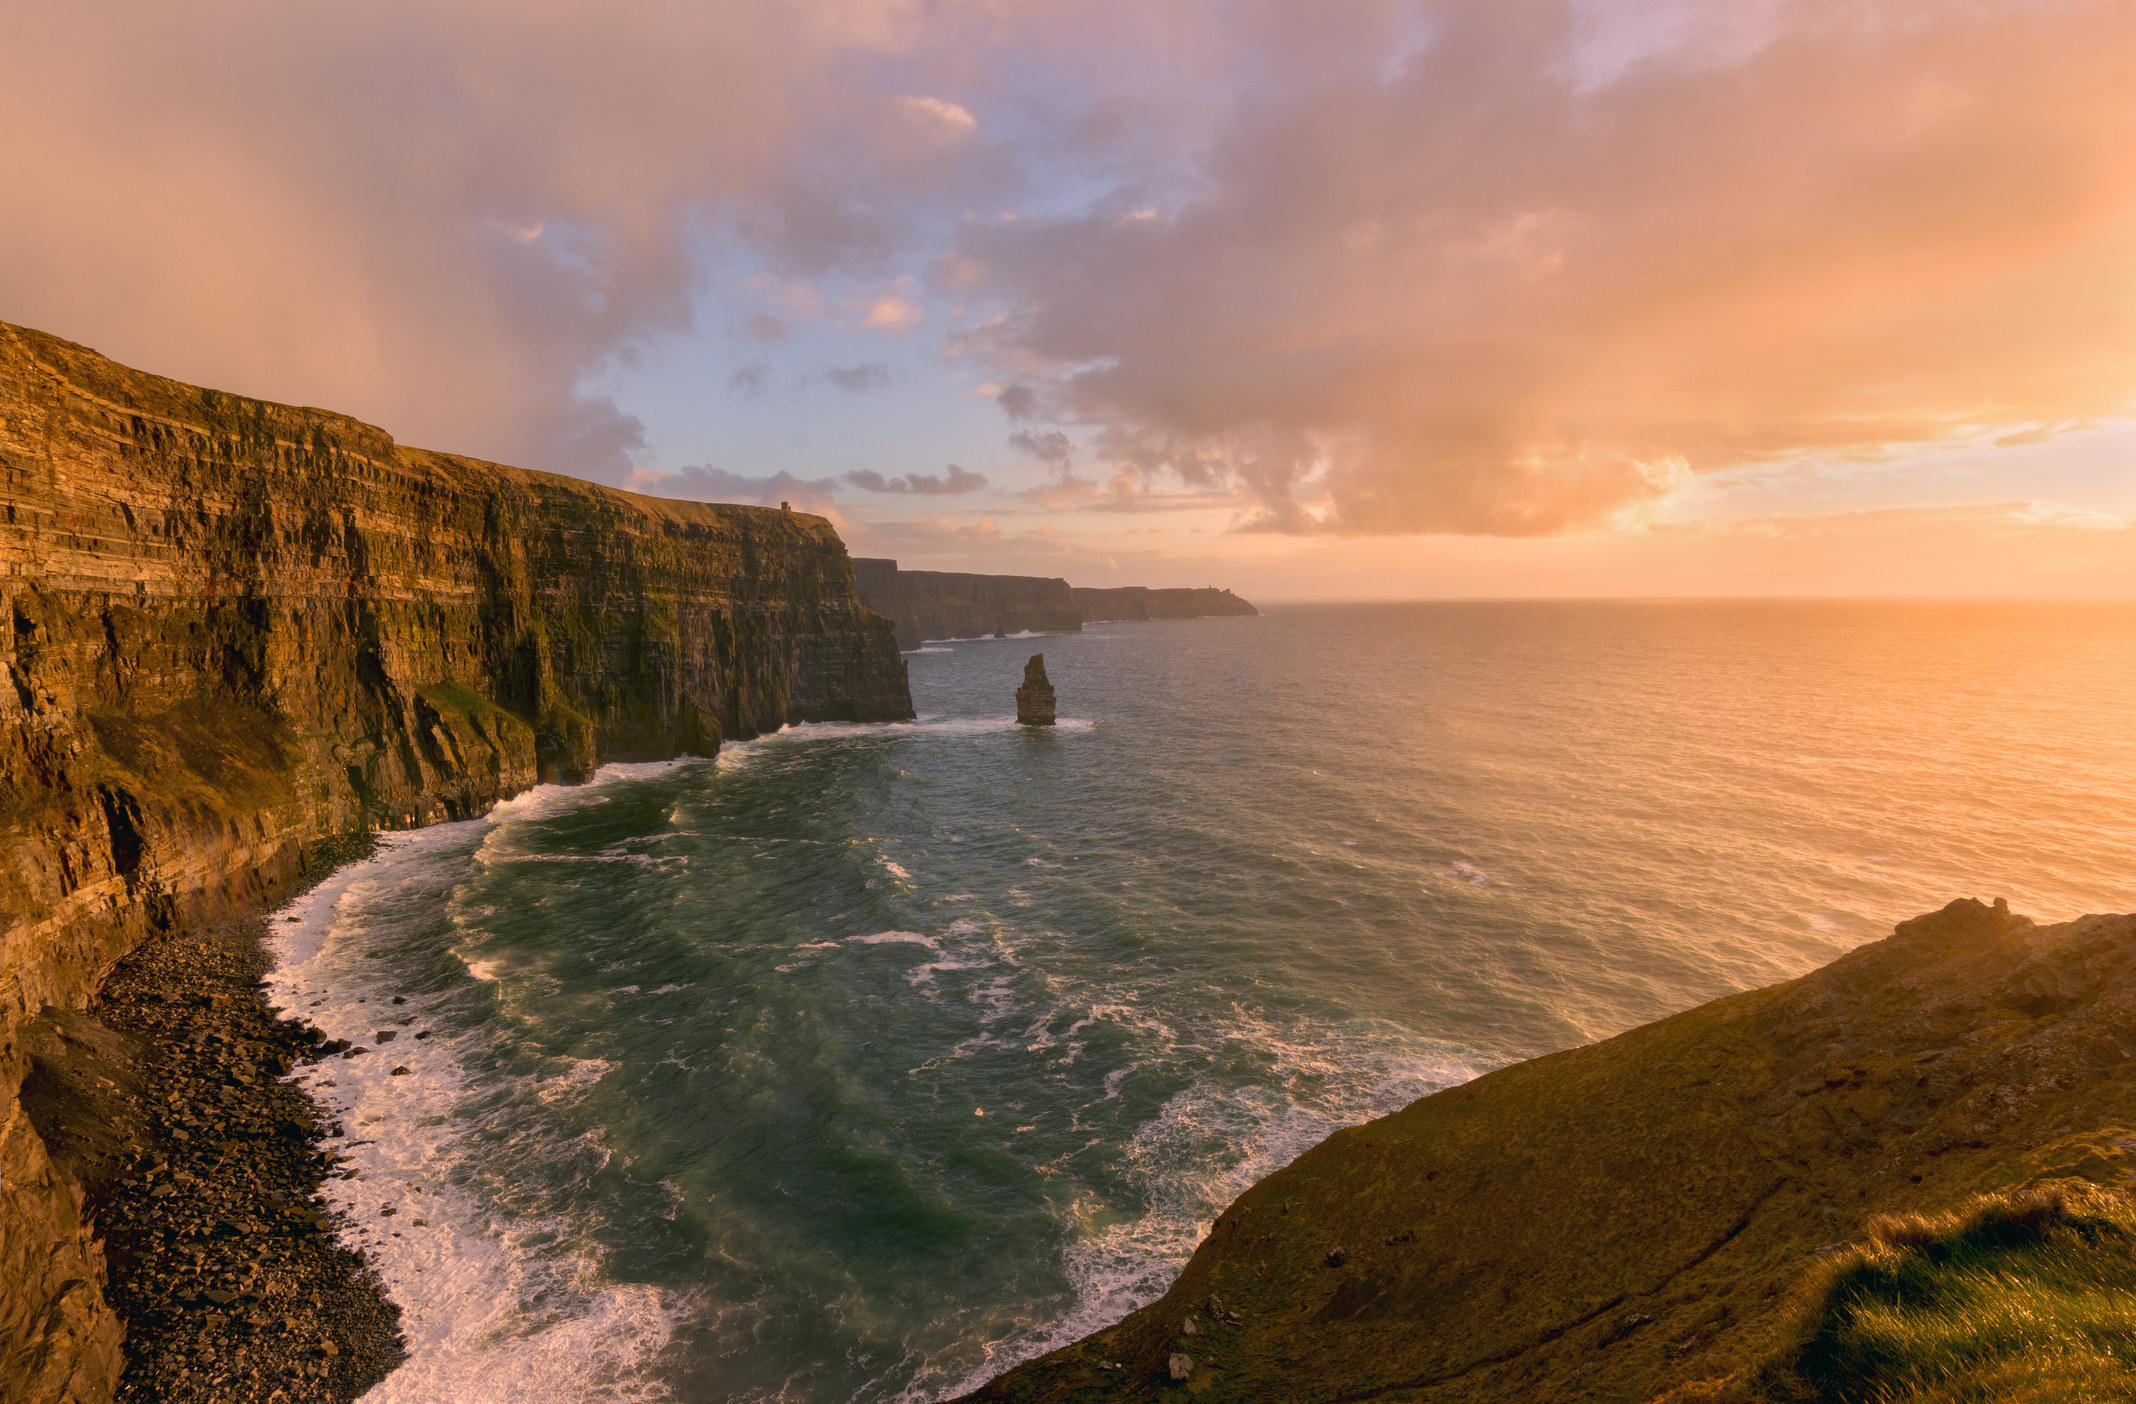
(229, 629)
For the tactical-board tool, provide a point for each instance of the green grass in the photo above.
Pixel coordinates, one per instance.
(2027, 1299)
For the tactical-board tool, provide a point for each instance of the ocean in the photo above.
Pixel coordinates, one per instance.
(863, 1062)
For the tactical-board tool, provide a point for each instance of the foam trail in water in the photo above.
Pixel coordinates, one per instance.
(496, 1306)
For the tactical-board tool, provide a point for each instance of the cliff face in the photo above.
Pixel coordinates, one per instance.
(1143, 602)
(230, 628)
(1628, 1218)
(937, 604)
(940, 604)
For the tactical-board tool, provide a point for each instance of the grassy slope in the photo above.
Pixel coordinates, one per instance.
(1617, 1221)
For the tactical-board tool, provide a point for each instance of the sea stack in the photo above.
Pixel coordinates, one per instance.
(1034, 700)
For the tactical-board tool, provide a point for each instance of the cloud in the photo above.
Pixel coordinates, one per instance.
(1018, 401)
(751, 380)
(1518, 285)
(1050, 447)
(1482, 266)
(705, 483)
(453, 227)
(765, 328)
(926, 484)
(938, 530)
(946, 117)
(892, 312)
(857, 379)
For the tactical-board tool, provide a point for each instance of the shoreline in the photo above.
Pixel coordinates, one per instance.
(201, 1169)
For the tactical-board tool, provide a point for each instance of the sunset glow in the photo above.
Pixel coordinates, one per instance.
(1388, 298)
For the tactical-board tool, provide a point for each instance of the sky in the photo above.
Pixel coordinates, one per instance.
(1356, 299)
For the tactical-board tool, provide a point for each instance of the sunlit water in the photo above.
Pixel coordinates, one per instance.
(869, 1060)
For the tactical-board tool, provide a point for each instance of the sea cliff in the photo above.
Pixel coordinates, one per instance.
(943, 604)
(1139, 602)
(232, 629)
(1684, 1211)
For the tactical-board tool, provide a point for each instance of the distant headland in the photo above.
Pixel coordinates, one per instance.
(941, 604)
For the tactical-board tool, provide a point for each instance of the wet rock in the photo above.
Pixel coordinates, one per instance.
(1034, 700)
(401, 1071)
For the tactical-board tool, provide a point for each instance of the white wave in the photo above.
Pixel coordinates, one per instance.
(496, 1306)
(895, 938)
(1205, 1147)
(896, 870)
(576, 1080)
(924, 974)
(1470, 874)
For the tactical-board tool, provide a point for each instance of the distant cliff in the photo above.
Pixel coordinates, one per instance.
(231, 628)
(1683, 1212)
(1143, 602)
(939, 604)
(942, 604)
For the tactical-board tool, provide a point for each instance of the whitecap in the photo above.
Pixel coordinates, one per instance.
(895, 938)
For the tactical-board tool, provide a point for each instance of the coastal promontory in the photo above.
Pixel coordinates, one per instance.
(234, 630)
(1904, 1176)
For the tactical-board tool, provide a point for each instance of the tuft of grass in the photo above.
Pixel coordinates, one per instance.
(2028, 1298)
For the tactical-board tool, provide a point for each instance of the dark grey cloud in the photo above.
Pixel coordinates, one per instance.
(708, 484)
(1018, 401)
(857, 379)
(924, 484)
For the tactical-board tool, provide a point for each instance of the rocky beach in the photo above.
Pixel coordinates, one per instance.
(169, 1102)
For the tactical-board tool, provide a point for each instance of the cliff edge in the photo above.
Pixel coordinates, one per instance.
(949, 604)
(230, 629)
(1143, 602)
(1683, 1210)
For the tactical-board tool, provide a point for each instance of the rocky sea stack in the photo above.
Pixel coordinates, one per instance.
(1034, 700)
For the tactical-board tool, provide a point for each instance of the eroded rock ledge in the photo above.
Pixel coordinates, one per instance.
(230, 629)
(1624, 1219)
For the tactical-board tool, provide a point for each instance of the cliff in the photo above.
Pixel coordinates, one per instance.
(1724, 1205)
(1136, 602)
(941, 604)
(233, 628)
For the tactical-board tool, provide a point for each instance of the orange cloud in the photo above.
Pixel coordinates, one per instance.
(1486, 291)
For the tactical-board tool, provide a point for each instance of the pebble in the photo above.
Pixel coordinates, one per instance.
(222, 1261)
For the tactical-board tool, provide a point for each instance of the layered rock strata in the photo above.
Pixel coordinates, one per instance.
(1635, 1216)
(1140, 602)
(943, 604)
(230, 628)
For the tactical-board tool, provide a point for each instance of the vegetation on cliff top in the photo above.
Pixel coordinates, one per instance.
(1645, 1214)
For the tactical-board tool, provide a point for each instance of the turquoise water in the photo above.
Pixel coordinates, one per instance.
(868, 1060)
